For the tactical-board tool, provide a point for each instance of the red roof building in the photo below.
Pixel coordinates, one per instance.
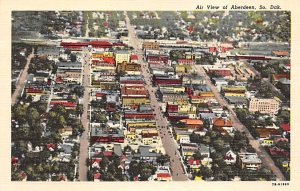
(14, 160)
(220, 122)
(133, 57)
(163, 175)
(192, 161)
(186, 61)
(285, 126)
(67, 104)
(97, 175)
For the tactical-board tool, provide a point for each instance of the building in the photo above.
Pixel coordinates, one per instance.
(249, 161)
(129, 68)
(234, 91)
(280, 53)
(134, 100)
(192, 123)
(134, 90)
(151, 45)
(264, 105)
(134, 58)
(131, 80)
(186, 62)
(122, 56)
(224, 72)
(166, 80)
(106, 135)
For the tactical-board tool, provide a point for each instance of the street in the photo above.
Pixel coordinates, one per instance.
(263, 155)
(84, 139)
(169, 143)
(22, 80)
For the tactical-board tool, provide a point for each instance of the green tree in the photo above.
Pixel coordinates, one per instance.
(195, 138)
(163, 159)
(79, 109)
(116, 116)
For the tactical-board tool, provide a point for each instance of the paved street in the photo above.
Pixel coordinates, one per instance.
(264, 156)
(168, 142)
(22, 80)
(84, 139)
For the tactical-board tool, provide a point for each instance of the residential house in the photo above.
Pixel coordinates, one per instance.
(145, 153)
(194, 164)
(192, 124)
(249, 161)
(230, 157)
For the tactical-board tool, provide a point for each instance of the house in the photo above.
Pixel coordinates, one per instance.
(97, 176)
(194, 99)
(51, 146)
(180, 69)
(149, 137)
(182, 135)
(188, 149)
(278, 151)
(192, 123)
(95, 162)
(249, 161)
(280, 53)
(146, 153)
(67, 104)
(164, 177)
(194, 164)
(233, 91)
(266, 133)
(14, 160)
(276, 77)
(285, 127)
(223, 125)
(230, 157)
(134, 58)
(65, 131)
(267, 142)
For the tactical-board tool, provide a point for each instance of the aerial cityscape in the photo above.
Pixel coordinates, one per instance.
(150, 96)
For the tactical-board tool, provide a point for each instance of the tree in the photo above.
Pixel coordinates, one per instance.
(32, 115)
(99, 117)
(197, 156)
(79, 109)
(116, 116)
(79, 91)
(19, 112)
(163, 159)
(218, 144)
(195, 138)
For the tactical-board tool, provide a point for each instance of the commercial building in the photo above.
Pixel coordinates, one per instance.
(264, 105)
